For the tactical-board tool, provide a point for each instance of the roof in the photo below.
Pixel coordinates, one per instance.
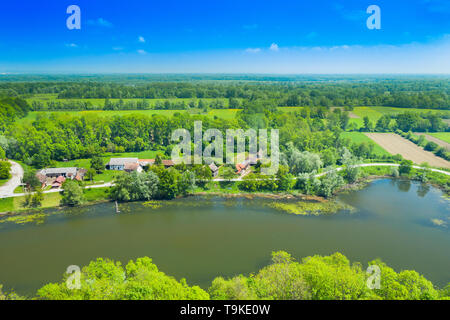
(213, 167)
(131, 166)
(168, 162)
(145, 162)
(58, 171)
(60, 179)
(121, 161)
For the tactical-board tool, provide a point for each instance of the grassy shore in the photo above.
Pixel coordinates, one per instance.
(230, 189)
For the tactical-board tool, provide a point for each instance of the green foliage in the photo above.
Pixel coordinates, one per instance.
(302, 162)
(30, 180)
(97, 164)
(104, 279)
(257, 182)
(5, 168)
(73, 194)
(330, 183)
(285, 179)
(136, 186)
(405, 167)
(186, 183)
(322, 278)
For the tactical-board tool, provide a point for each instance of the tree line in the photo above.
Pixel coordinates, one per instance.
(410, 93)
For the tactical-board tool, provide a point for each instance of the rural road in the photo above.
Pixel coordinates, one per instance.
(110, 184)
(7, 190)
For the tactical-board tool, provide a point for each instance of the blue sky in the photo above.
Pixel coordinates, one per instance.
(246, 36)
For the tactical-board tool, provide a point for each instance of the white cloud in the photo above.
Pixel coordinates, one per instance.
(142, 51)
(100, 22)
(141, 39)
(253, 50)
(71, 45)
(274, 47)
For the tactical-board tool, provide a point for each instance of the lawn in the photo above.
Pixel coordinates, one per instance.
(358, 137)
(96, 194)
(444, 136)
(16, 203)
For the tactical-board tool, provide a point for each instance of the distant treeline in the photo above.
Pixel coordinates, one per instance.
(424, 93)
(144, 104)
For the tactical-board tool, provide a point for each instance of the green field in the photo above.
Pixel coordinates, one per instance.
(358, 137)
(374, 113)
(444, 136)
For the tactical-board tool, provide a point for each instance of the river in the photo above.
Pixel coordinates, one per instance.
(201, 238)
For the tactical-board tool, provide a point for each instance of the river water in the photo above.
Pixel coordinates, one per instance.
(201, 238)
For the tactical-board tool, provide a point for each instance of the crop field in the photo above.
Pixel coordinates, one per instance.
(358, 137)
(374, 113)
(395, 144)
(444, 136)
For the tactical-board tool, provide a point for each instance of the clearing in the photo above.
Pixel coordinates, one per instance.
(395, 144)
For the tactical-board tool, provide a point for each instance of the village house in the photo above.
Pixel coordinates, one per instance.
(214, 170)
(55, 177)
(131, 166)
(119, 163)
(150, 162)
(250, 161)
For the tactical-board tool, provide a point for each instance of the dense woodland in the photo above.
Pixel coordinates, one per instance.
(405, 93)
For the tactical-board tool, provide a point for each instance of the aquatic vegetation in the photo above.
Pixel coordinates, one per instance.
(153, 204)
(311, 208)
(439, 223)
(37, 218)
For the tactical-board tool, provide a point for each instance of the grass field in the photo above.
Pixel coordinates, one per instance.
(358, 137)
(444, 136)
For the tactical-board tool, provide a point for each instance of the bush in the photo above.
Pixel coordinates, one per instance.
(405, 167)
(431, 146)
(5, 168)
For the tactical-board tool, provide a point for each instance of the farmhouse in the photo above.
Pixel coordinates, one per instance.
(119, 163)
(150, 162)
(55, 177)
(131, 166)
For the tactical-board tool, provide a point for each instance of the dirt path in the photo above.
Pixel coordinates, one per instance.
(395, 144)
(435, 140)
(8, 188)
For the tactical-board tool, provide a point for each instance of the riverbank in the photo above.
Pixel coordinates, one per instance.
(229, 189)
